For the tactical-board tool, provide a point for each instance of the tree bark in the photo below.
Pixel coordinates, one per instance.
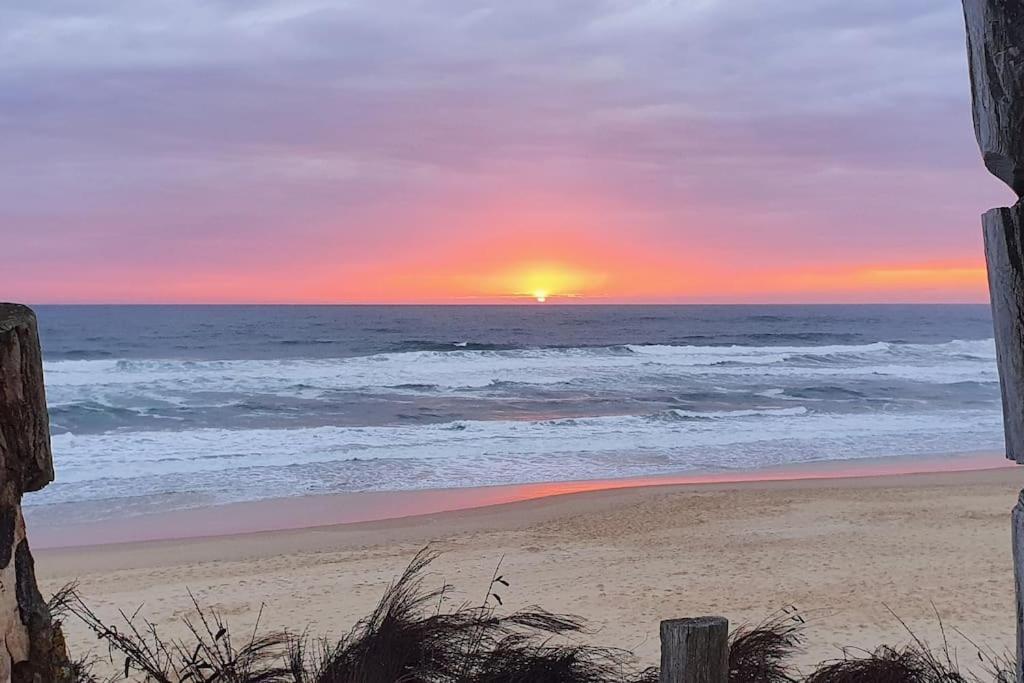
(995, 38)
(33, 645)
(995, 53)
(1004, 256)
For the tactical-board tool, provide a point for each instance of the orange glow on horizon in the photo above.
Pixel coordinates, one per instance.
(636, 280)
(540, 281)
(534, 249)
(913, 276)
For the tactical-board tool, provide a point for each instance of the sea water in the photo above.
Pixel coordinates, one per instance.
(154, 408)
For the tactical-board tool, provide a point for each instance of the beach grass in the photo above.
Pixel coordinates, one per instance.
(414, 635)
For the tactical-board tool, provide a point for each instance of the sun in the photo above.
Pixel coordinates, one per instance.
(541, 283)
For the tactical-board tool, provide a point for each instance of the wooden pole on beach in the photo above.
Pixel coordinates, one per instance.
(1018, 578)
(1004, 255)
(33, 646)
(695, 650)
(995, 52)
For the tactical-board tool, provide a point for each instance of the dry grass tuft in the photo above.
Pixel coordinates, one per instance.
(761, 654)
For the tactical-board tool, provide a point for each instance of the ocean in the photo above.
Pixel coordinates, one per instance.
(163, 407)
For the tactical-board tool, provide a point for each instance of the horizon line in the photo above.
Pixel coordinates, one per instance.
(524, 303)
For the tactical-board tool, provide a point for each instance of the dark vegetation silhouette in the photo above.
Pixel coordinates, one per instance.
(411, 638)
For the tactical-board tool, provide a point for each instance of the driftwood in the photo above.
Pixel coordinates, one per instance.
(695, 650)
(33, 645)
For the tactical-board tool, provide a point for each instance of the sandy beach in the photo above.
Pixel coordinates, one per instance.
(843, 549)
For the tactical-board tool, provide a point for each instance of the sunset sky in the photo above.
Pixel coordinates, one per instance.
(454, 151)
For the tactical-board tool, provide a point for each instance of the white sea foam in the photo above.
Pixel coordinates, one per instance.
(168, 426)
(956, 361)
(480, 446)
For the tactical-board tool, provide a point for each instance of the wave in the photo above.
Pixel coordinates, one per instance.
(594, 369)
(412, 386)
(84, 354)
(89, 415)
(981, 349)
(467, 451)
(677, 414)
(428, 345)
(79, 410)
(832, 392)
(240, 406)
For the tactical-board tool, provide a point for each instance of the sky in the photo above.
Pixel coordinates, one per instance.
(449, 151)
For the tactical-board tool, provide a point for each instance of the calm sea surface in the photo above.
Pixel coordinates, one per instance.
(163, 407)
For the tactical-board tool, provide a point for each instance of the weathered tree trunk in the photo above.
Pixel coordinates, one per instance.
(695, 650)
(33, 645)
(995, 50)
(1004, 254)
(995, 38)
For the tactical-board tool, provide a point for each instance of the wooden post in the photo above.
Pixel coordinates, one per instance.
(1004, 255)
(995, 38)
(695, 650)
(1018, 577)
(31, 645)
(995, 58)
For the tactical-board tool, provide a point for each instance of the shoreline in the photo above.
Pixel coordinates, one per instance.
(844, 550)
(50, 530)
